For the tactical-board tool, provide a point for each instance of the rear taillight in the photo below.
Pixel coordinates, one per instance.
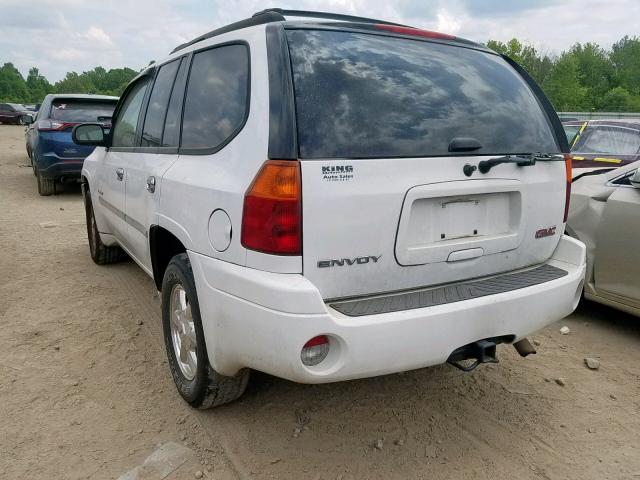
(53, 125)
(272, 215)
(567, 166)
(414, 31)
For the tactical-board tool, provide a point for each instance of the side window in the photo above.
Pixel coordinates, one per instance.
(124, 132)
(158, 101)
(216, 102)
(171, 136)
(4, 107)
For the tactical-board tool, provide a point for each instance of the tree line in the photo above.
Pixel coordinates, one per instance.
(14, 88)
(586, 77)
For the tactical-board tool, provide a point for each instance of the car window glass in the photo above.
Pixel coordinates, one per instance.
(370, 96)
(171, 136)
(4, 107)
(216, 99)
(158, 101)
(571, 131)
(71, 110)
(124, 132)
(610, 140)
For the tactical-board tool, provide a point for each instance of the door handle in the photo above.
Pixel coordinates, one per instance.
(151, 184)
(120, 173)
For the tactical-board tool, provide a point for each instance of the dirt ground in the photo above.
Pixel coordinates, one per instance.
(85, 391)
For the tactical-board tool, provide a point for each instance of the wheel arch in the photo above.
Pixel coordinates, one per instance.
(163, 246)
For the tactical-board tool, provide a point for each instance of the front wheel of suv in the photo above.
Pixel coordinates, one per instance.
(198, 383)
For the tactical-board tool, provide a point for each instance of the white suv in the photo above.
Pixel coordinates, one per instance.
(335, 198)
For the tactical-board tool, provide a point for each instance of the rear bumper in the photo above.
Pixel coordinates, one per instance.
(51, 165)
(261, 320)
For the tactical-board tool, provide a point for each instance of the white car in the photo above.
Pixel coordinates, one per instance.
(335, 198)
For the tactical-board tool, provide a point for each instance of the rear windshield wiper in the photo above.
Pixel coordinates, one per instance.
(521, 160)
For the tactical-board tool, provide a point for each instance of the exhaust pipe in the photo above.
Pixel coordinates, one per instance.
(482, 351)
(524, 347)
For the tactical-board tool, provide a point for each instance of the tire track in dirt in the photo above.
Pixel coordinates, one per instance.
(142, 290)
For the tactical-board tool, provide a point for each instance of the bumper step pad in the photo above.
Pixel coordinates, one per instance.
(449, 293)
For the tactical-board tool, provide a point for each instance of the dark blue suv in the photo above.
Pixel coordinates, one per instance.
(53, 154)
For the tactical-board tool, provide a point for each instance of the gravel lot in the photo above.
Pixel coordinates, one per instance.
(86, 392)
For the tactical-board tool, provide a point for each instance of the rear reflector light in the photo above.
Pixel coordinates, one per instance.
(315, 351)
(414, 31)
(567, 199)
(272, 215)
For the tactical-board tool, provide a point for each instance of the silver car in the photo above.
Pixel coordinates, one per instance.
(605, 215)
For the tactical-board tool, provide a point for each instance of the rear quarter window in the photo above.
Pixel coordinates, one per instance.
(217, 101)
(360, 95)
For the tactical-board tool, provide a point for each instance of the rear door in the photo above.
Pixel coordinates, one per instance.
(112, 170)
(387, 127)
(154, 156)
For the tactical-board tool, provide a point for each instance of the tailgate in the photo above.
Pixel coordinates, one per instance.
(379, 231)
(387, 126)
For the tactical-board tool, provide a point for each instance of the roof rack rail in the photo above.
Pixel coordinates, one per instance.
(278, 15)
(256, 19)
(325, 15)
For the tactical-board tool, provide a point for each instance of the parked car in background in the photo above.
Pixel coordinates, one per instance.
(598, 144)
(13, 113)
(325, 201)
(53, 154)
(605, 215)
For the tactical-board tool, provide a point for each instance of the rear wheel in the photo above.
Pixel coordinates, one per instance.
(46, 186)
(198, 383)
(100, 253)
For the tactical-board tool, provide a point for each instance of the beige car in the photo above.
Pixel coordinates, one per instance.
(605, 215)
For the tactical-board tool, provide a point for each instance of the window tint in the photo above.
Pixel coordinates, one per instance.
(158, 101)
(124, 132)
(4, 107)
(361, 95)
(171, 136)
(612, 140)
(216, 100)
(70, 110)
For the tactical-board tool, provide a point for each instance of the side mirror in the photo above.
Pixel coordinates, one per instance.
(26, 119)
(89, 134)
(635, 179)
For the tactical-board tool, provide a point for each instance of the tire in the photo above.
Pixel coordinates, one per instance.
(46, 186)
(100, 253)
(201, 386)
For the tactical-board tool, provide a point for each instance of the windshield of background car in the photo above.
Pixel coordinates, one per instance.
(361, 95)
(81, 110)
(611, 140)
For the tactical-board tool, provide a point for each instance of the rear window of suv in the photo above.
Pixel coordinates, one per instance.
(360, 95)
(70, 110)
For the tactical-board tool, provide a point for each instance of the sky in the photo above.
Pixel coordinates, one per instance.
(59, 36)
